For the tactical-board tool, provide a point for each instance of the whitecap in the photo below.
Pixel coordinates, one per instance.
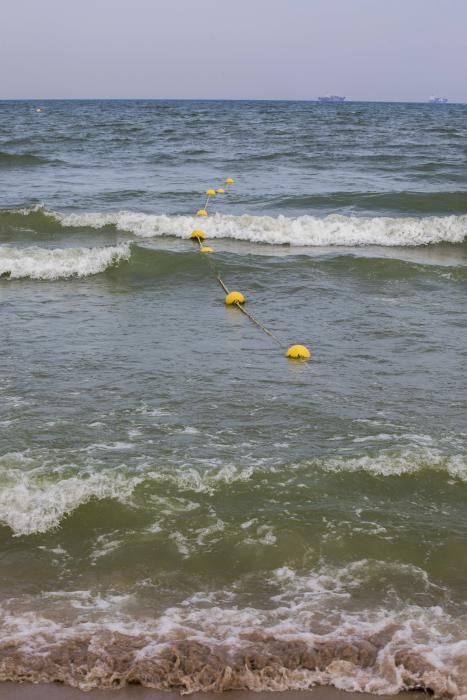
(38, 263)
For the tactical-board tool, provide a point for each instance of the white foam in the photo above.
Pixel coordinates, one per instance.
(259, 534)
(413, 645)
(104, 545)
(31, 503)
(333, 230)
(391, 463)
(59, 263)
(39, 488)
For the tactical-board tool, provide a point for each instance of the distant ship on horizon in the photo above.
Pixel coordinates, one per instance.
(437, 100)
(331, 98)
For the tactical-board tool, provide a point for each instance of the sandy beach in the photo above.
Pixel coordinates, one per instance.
(13, 691)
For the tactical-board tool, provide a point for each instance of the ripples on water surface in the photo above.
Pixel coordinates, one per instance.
(179, 505)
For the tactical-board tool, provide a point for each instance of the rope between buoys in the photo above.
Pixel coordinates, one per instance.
(213, 268)
(259, 324)
(239, 306)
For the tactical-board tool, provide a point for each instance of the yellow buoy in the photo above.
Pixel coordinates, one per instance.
(229, 181)
(220, 190)
(201, 212)
(298, 352)
(206, 249)
(234, 298)
(210, 193)
(197, 233)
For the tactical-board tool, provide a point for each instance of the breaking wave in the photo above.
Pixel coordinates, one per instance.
(333, 230)
(59, 263)
(312, 633)
(301, 231)
(329, 625)
(32, 501)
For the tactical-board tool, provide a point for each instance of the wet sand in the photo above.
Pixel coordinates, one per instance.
(29, 691)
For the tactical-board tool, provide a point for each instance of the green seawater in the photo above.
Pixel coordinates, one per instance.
(166, 475)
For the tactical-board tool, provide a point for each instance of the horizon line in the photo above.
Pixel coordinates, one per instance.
(211, 99)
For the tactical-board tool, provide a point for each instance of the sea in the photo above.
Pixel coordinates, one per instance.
(181, 506)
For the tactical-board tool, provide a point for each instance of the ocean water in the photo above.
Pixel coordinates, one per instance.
(180, 505)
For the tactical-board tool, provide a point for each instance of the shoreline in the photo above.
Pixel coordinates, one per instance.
(46, 691)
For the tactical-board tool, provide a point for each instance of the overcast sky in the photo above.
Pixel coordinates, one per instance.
(253, 49)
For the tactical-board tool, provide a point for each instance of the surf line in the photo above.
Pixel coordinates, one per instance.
(235, 298)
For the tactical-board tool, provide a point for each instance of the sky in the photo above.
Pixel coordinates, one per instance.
(401, 50)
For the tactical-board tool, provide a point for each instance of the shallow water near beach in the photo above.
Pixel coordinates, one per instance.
(180, 506)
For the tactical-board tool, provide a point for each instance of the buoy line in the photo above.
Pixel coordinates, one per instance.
(235, 298)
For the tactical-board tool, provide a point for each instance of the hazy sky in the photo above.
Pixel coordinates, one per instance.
(364, 49)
